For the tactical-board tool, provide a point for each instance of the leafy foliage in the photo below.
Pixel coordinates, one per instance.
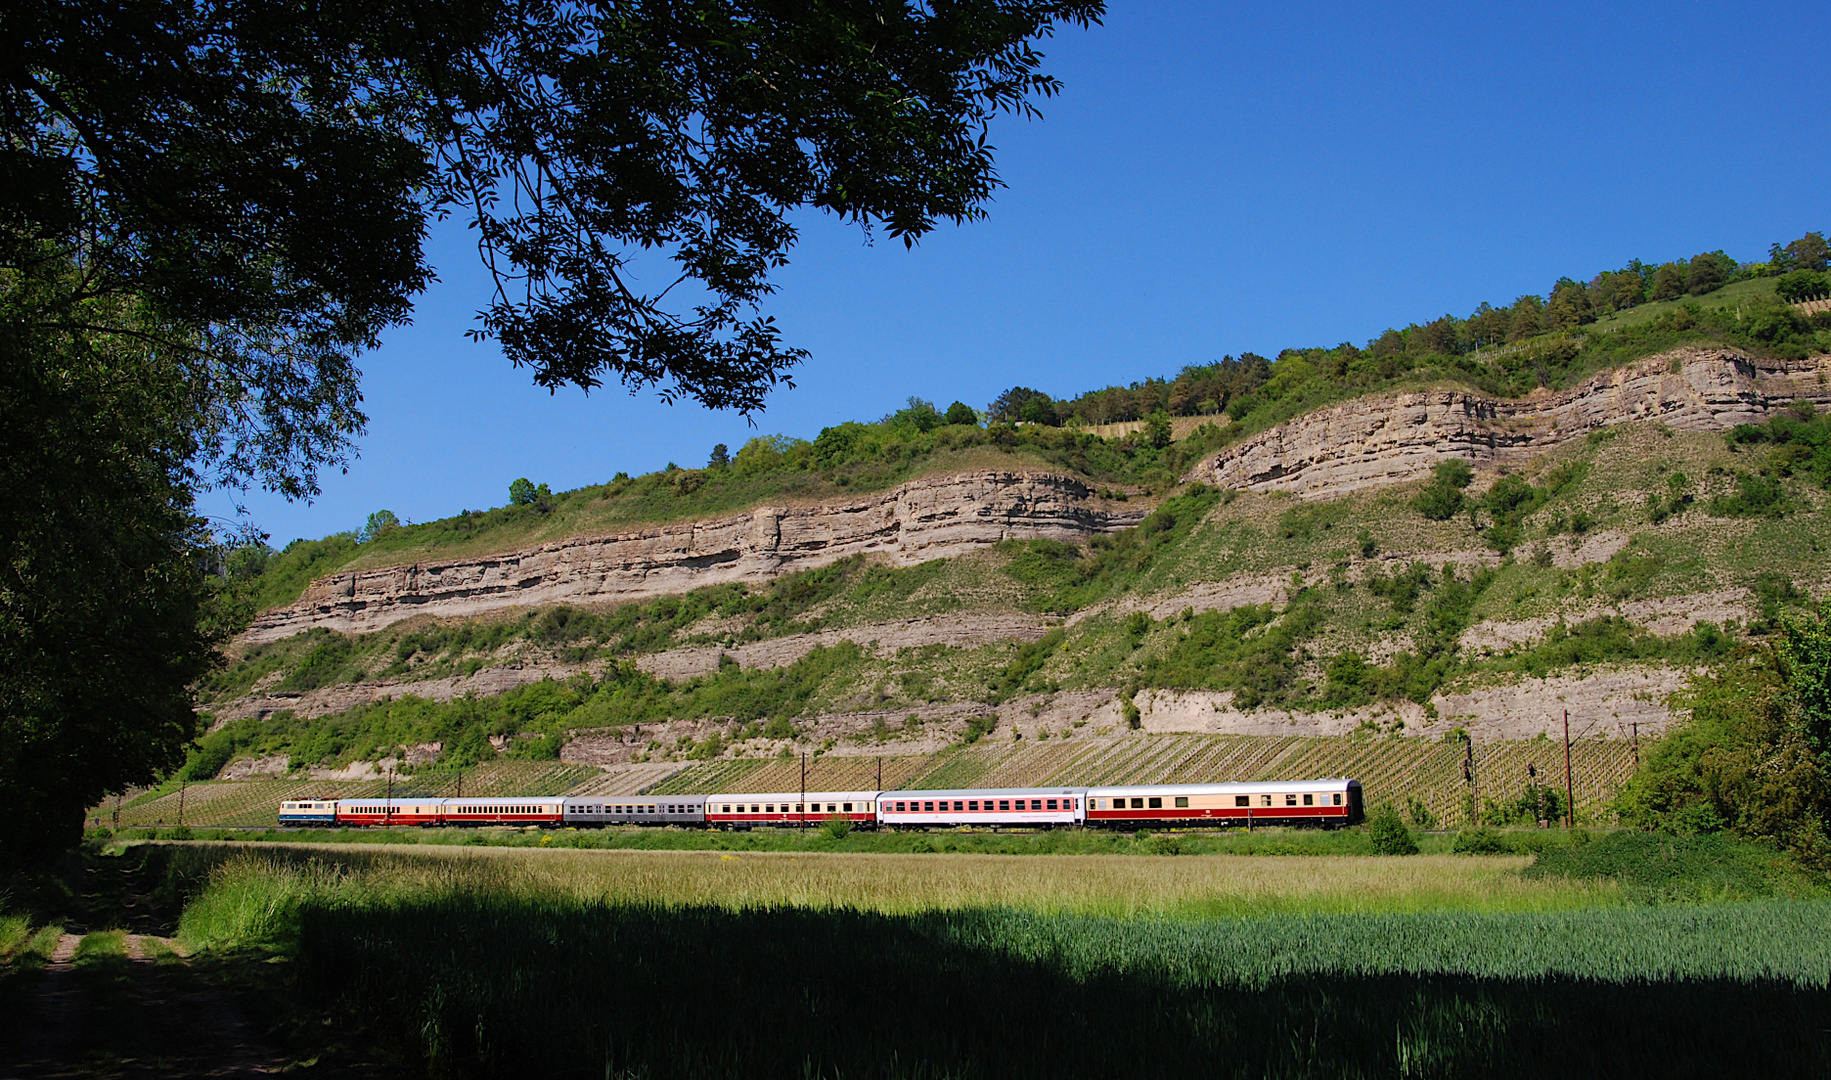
(132, 136)
(1068, 577)
(1742, 760)
(1797, 442)
(1666, 868)
(1390, 836)
(1442, 498)
(106, 617)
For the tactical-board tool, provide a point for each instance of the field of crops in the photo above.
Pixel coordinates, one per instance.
(488, 953)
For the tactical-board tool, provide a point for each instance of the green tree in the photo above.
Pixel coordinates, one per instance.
(1528, 318)
(106, 616)
(1020, 403)
(1804, 654)
(1802, 285)
(1488, 325)
(1708, 272)
(962, 415)
(1569, 306)
(1157, 429)
(1668, 282)
(263, 173)
(1809, 252)
(1738, 760)
(521, 492)
(918, 414)
(721, 457)
(379, 522)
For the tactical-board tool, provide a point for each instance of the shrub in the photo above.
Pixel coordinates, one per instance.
(1389, 834)
(1480, 842)
(1662, 867)
(836, 827)
(1442, 498)
(1802, 285)
(979, 727)
(1742, 760)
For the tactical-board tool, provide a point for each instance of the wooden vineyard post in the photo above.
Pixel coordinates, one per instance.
(801, 818)
(1570, 796)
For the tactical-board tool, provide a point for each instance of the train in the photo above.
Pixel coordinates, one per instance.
(1328, 803)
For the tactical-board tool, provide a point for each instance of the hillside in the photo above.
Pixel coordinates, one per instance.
(1393, 566)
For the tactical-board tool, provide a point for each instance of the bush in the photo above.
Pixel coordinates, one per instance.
(1442, 499)
(836, 827)
(1480, 842)
(1389, 834)
(1743, 760)
(1662, 867)
(1802, 285)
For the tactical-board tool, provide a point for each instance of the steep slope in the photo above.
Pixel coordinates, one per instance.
(1611, 541)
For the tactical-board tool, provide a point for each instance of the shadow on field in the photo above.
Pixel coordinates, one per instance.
(476, 988)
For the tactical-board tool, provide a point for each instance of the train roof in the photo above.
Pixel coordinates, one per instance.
(491, 800)
(1254, 788)
(636, 798)
(792, 796)
(973, 792)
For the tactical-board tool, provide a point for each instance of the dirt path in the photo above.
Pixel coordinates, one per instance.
(115, 1016)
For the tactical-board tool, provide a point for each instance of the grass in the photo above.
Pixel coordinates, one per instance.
(259, 886)
(519, 963)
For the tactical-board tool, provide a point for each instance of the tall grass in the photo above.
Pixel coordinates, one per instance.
(502, 963)
(253, 896)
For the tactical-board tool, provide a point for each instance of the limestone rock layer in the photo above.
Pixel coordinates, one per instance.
(924, 519)
(1375, 441)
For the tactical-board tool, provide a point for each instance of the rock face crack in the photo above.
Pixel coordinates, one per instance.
(1377, 441)
(925, 519)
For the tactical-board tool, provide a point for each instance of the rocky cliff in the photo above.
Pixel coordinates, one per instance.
(924, 519)
(1376, 441)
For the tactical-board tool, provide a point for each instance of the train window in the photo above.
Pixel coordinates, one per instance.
(769, 808)
(1182, 802)
(928, 807)
(1052, 804)
(847, 807)
(1004, 804)
(1265, 800)
(972, 804)
(1138, 804)
(1290, 799)
(1242, 800)
(1156, 803)
(1338, 798)
(1308, 799)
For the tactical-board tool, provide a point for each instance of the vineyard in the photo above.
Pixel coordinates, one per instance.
(1401, 771)
(1396, 770)
(253, 803)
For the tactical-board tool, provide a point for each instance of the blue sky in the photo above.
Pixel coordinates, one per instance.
(1213, 181)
